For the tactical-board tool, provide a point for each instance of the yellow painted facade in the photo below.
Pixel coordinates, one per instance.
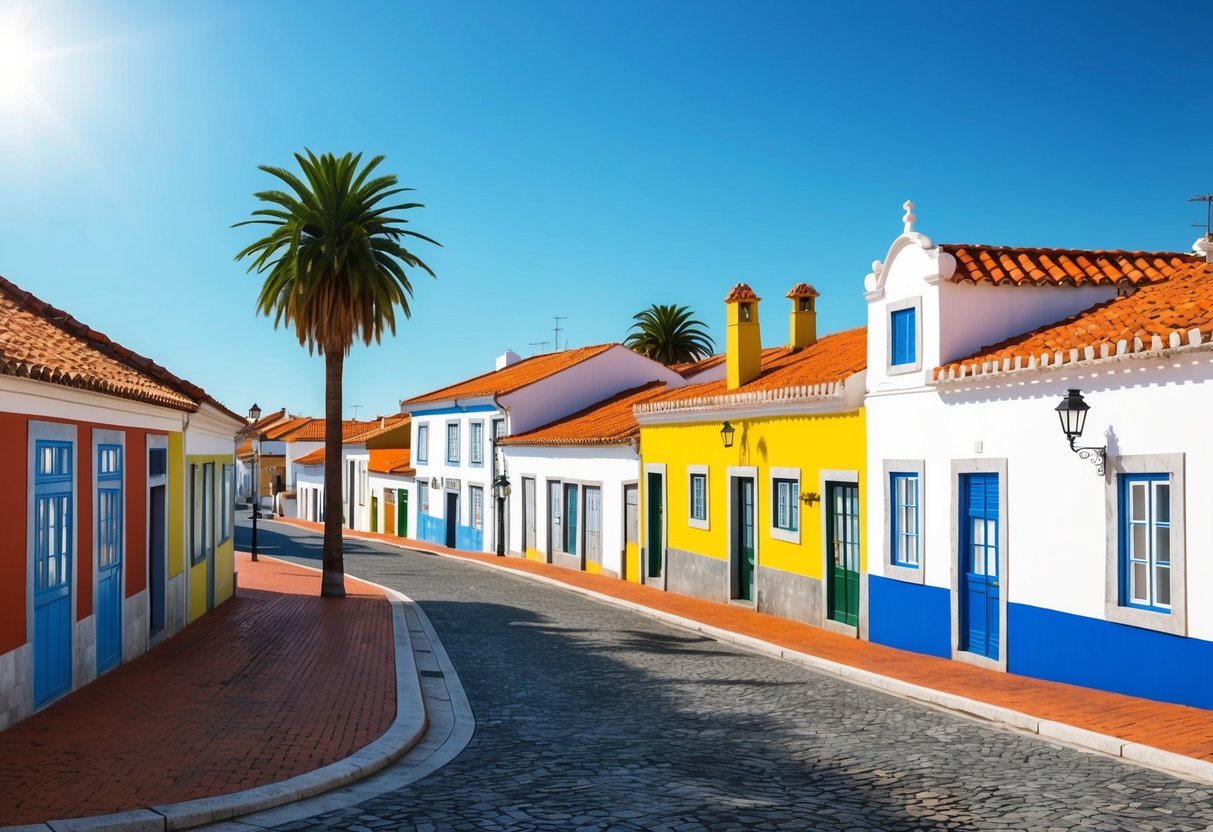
(810, 444)
(176, 504)
(631, 552)
(224, 555)
(535, 554)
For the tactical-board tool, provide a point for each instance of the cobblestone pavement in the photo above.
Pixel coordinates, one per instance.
(589, 717)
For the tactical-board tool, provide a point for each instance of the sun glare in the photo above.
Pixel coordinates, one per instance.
(17, 58)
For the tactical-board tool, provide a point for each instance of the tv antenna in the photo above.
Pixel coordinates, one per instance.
(1207, 225)
(556, 342)
(542, 344)
(356, 407)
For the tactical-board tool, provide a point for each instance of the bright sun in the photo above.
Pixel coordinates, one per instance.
(17, 59)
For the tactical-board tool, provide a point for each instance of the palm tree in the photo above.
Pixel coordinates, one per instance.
(334, 269)
(669, 334)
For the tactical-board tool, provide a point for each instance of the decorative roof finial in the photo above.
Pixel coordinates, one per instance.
(909, 219)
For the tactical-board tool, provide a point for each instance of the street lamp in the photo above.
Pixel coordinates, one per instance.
(501, 489)
(726, 434)
(1073, 415)
(254, 414)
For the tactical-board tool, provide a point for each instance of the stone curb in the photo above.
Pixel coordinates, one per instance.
(1092, 741)
(404, 732)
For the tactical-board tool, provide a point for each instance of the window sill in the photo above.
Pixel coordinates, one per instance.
(906, 574)
(786, 535)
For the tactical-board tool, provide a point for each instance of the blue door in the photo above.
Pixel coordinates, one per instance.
(109, 556)
(52, 570)
(979, 591)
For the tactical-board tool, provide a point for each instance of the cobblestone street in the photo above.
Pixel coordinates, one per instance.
(591, 717)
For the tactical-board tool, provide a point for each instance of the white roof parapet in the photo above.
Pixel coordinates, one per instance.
(805, 393)
(1159, 345)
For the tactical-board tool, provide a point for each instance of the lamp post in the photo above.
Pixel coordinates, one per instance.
(1072, 411)
(501, 489)
(254, 414)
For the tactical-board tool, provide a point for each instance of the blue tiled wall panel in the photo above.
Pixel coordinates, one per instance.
(469, 539)
(432, 529)
(1101, 654)
(910, 616)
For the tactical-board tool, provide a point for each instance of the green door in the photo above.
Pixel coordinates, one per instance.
(374, 513)
(842, 535)
(744, 524)
(402, 513)
(653, 494)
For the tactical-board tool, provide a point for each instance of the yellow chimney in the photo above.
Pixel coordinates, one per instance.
(743, 342)
(804, 316)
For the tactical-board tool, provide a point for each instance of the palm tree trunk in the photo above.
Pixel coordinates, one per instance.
(332, 584)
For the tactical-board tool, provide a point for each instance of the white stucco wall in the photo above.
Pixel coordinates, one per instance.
(381, 483)
(607, 466)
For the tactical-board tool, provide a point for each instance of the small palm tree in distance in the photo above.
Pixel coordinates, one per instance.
(670, 334)
(335, 268)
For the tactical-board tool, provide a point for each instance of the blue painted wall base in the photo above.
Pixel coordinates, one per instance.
(1100, 654)
(469, 539)
(431, 529)
(910, 616)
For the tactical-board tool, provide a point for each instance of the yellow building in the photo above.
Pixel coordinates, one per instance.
(750, 483)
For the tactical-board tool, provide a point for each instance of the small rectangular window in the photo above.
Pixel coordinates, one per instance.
(452, 443)
(786, 504)
(476, 497)
(1145, 541)
(423, 443)
(903, 488)
(904, 337)
(423, 497)
(226, 496)
(476, 452)
(699, 497)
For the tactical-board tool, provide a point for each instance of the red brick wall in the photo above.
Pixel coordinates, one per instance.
(13, 508)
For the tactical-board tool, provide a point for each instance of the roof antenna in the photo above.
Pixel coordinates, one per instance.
(1207, 225)
(541, 344)
(355, 406)
(556, 342)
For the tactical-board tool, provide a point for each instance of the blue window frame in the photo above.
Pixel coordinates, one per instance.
(786, 504)
(699, 496)
(1145, 541)
(109, 505)
(903, 488)
(904, 338)
(423, 443)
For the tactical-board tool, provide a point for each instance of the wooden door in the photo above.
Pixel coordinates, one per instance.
(842, 534)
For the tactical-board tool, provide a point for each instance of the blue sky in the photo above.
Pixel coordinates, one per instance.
(578, 159)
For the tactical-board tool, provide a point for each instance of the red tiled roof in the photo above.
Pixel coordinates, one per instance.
(1180, 304)
(608, 422)
(41, 342)
(391, 461)
(316, 457)
(803, 290)
(694, 368)
(1057, 266)
(308, 429)
(741, 291)
(286, 430)
(514, 377)
(831, 359)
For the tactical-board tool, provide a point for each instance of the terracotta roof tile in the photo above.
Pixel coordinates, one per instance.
(308, 429)
(608, 422)
(694, 368)
(1040, 266)
(316, 457)
(833, 358)
(741, 291)
(1181, 303)
(514, 377)
(41, 342)
(391, 461)
(802, 290)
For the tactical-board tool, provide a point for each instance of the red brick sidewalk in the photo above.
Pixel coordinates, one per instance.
(274, 683)
(1176, 728)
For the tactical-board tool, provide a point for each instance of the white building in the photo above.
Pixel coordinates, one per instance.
(575, 484)
(455, 427)
(993, 543)
(392, 484)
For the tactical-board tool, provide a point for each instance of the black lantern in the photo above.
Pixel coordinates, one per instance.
(1072, 411)
(254, 413)
(726, 434)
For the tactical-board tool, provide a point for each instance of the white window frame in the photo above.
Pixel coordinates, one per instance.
(226, 502)
(777, 533)
(474, 521)
(452, 458)
(914, 366)
(891, 568)
(1174, 622)
(694, 471)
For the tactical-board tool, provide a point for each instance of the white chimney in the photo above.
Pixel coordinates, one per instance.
(507, 358)
(1204, 248)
